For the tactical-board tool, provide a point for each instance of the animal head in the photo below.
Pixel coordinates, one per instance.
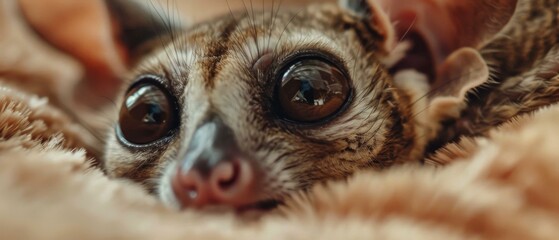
(246, 108)
(249, 107)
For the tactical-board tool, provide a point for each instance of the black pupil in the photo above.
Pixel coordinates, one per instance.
(146, 104)
(307, 92)
(147, 114)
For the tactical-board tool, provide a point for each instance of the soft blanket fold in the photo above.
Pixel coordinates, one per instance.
(504, 189)
(499, 187)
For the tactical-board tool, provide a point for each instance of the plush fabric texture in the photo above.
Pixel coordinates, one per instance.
(504, 188)
(499, 187)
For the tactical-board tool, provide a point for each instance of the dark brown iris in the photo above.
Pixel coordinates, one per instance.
(147, 114)
(312, 90)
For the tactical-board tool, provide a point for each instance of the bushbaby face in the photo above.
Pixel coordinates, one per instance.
(247, 108)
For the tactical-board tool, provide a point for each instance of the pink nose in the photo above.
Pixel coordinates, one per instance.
(229, 183)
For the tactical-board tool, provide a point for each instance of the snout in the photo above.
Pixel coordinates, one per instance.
(214, 171)
(229, 183)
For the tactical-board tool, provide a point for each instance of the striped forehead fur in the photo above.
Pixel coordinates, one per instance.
(209, 69)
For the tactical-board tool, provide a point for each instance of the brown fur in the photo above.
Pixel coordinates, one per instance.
(524, 61)
(208, 69)
(502, 186)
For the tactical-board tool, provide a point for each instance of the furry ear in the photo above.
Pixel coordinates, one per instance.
(421, 34)
(444, 99)
(442, 36)
(103, 35)
(461, 72)
(375, 18)
(447, 25)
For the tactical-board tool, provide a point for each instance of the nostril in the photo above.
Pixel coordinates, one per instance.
(227, 175)
(189, 187)
(229, 182)
(232, 181)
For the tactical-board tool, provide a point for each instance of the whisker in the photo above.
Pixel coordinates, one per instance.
(169, 29)
(409, 29)
(273, 22)
(286, 26)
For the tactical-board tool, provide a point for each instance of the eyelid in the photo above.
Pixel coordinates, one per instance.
(146, 78)
(312, 53)
(263, 63)
(157, 80)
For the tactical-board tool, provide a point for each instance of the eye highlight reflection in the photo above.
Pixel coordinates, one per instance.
(311, 90)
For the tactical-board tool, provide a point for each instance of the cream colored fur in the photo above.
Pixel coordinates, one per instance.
(504, 189)
(500, 187)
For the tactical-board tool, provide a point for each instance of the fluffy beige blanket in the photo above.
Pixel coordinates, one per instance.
(500, 187)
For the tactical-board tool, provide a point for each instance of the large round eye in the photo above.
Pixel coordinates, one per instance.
(311, 90)
(147, 114)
